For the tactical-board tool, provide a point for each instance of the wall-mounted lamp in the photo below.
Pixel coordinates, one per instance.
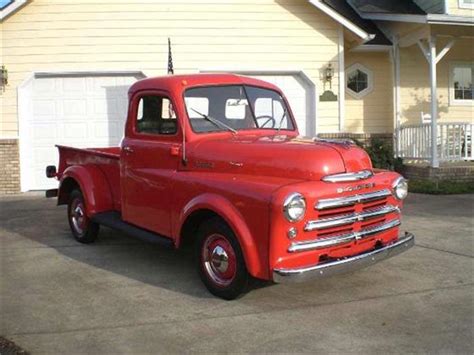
(329, 74)
(3, 76)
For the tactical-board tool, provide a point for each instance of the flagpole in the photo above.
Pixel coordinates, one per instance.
(170, 59)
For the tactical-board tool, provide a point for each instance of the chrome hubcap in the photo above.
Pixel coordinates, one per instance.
(218, 260)
(78, 217)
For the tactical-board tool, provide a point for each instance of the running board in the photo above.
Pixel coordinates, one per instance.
(114, 221)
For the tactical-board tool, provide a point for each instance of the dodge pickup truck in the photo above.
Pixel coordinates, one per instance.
(215, 162)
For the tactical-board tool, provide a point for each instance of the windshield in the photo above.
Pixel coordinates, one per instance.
(235, 108)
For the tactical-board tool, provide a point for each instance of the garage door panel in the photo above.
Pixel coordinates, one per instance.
(74, 108)
(76, 111)
(108, 130)
(105, 106)
(44, 132)
(74, 85)
(75, 130)
(44, 107)
(44, 87)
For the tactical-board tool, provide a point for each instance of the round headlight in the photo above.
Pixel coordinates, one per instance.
(294, 207)
(400, 188)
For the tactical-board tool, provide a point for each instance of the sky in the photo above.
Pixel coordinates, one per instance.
(4, 3)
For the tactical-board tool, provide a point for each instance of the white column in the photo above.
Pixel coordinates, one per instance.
(434, 103)
(396, 93)
(342, 80)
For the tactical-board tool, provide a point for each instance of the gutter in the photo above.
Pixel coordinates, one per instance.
(364, 35)
(435, 19)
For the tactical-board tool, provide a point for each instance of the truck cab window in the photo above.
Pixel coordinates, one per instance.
(155, 115)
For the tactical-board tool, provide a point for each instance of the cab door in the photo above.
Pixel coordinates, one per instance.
(149, 160)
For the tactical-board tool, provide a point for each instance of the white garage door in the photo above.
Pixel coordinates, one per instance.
(86, 111)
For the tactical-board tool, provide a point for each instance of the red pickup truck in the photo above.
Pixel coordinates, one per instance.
(215, 161)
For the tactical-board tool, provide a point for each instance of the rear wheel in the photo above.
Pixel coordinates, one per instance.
(220, 260)
(82, 228)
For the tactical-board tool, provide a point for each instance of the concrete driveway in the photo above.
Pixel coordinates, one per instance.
(120, 295)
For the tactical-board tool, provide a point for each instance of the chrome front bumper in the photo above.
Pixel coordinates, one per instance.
(344, 265)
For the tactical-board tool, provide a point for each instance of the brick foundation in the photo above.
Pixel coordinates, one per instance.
(451, 172)
(9, 166)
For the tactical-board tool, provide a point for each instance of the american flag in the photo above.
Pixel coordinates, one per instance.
(170, 59)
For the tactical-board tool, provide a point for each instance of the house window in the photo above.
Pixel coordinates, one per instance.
(466, 4)
(358, 80)
(461, 83)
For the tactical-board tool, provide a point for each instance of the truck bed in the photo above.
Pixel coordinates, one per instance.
(107, 160)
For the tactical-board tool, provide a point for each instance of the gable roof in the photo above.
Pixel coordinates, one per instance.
(343, 8)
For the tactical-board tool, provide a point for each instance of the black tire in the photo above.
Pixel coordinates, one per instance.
(226, 278)
(83, 229)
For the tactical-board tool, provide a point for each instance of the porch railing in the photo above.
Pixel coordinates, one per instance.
(454, 141)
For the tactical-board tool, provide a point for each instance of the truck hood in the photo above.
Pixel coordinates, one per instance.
(277, 156)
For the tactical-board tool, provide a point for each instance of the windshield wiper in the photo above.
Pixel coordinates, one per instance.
(216, 122)
(281, 119)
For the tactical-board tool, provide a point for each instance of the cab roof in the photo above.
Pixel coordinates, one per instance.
(179, 83)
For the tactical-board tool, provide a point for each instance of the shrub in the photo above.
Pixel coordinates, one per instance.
(441, 187)
(381, 153)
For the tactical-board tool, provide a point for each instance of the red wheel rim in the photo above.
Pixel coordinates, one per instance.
(78, 216)
(218, 260)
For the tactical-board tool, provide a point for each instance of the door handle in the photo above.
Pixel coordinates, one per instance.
(127, 150)
(174, 150)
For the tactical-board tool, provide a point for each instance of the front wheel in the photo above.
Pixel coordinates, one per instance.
(220, 260)
(82, 228)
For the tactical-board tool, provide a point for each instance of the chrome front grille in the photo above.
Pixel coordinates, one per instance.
(349, 218)
(352, 200)
(341, 220)
(343, 238)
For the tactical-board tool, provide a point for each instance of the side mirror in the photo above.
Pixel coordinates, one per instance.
(51, 171)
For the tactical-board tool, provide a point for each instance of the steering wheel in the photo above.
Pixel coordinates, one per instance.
(269, 119)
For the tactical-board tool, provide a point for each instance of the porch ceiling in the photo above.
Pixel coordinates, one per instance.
(426, 31)
(452, 31)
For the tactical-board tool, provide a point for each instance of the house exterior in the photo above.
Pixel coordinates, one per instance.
(354, 68)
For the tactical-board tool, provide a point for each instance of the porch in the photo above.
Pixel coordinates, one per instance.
(433, 98)
(453, 142)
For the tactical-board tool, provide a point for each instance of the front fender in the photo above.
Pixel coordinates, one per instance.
(224, 208)
(94, 187)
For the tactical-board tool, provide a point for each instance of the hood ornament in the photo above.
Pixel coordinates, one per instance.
(347, 177)
(346, 143)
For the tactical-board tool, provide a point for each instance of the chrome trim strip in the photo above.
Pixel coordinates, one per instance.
(322, 243)
(349, 218)
(346, 177)
(344, 265)
(351, 200)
